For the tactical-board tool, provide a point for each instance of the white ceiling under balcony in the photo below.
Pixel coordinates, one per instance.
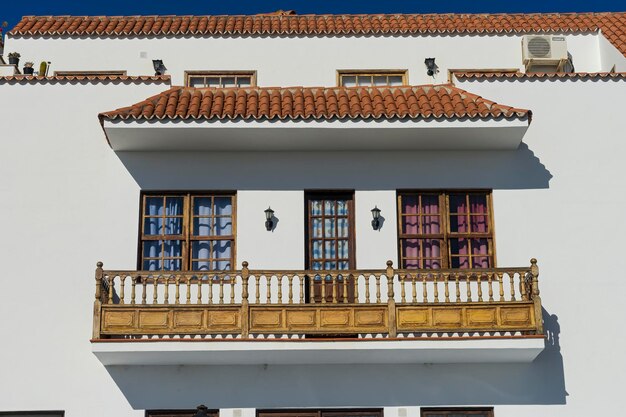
(300, 352)
(321, 135)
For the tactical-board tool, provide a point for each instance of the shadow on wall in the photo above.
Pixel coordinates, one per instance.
(518, 169)
(169, 387)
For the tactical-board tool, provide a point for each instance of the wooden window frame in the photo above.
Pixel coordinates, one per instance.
(468, 411)
(335, 195)
(321, 412)
(187, 225)
(447, 235)
(404, 73)
(119, 73)
(252, 74)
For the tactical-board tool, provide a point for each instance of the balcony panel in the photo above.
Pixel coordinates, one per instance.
(315, 135)
(282, 316)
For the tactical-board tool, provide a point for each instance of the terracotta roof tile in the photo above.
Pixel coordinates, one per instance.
(612, 25)
(301, 103)
(542, 75)
(31, 79)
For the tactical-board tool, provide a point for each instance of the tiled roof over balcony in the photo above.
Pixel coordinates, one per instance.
(612, 25)
(317, 103)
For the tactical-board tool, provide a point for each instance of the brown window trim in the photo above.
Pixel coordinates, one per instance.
(314, 195)
(213, 73)
(187, 226)
(446, 235)
(404, 73)
(88, 73)
(468, 411)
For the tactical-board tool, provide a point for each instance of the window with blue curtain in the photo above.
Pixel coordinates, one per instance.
(187, 232)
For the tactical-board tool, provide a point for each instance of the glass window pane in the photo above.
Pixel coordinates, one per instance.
(380, 80)
(342, 208)
(478, 203)
(172, 248)
(329, 228)
(342, 226)
(330, 251)
(172, 265)
(223, 206)
(173, 225)
(343, 265)
(317, 228)
(343, 249)
(348, 80)
(221, 249)
(221, 265)
(223, 226)
(458, 203)
(330, 265)
(317, 249)
(395, 80)
(458, 224)
(154, 206)
(153, 226)
(479, 224)
(213, 81)
(197, 82)
(152, 249)
(174, 206)
(432, 253)
(409, 224)
(202, 206)
(202, 226)
(244, 81)
(329, 207)
(201, 249)
(316, 208)
(228, 82)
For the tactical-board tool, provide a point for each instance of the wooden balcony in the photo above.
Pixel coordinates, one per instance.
(282, 305)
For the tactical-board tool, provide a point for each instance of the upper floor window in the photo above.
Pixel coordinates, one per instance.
(220, 79)
(445, 230)
(371, 78)
(188, 232)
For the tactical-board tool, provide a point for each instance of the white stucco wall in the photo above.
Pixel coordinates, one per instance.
(281, 61)
(69, 201)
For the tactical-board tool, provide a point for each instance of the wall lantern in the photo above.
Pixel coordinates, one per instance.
(376, 218)
(269, 223)
(202, 411)
(431, 67)
(159, 68)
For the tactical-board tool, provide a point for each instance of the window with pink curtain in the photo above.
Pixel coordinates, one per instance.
(445, 230)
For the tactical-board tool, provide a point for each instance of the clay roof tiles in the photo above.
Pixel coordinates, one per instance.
(542, 75)
(91, 78)
(302, 103)
(612, 25)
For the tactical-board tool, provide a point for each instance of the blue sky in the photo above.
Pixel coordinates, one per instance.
(11, 11)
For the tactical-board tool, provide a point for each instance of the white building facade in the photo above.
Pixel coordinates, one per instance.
(488, 283)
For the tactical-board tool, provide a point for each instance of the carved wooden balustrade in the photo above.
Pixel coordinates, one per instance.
(384, 303)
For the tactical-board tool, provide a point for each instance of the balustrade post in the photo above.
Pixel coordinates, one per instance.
(391, 302)
(245, 313)
(534, 271)
(97, 304)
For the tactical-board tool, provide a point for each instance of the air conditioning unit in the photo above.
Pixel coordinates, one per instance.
(544, 51)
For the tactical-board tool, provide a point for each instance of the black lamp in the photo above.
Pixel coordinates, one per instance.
(159, 68)
(430, 66)
(376, 218)
(202, 411)
(269, 223)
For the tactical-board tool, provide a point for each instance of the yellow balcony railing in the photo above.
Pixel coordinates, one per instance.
(250, 304)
